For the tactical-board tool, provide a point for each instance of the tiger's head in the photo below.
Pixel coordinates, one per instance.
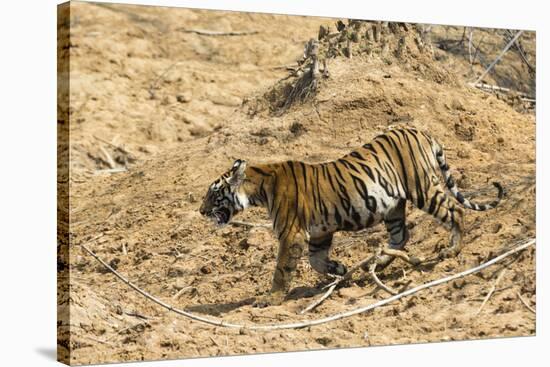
(223, 199)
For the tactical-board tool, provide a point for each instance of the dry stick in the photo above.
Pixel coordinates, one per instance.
(491, 291)
(526, 304)
(321, 299)
(99, 340)
(378, 282)
(108, 157)
(470, 37)
(181, 291)
(307, 323)
(334, 284)
(499, 56)
(154, 85)
(119, 148)
(521, 53)
(203, 32)
(413, 260)
(496, 88)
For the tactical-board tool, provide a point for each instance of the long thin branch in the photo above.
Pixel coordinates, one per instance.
(204, 32)
(306, 323)
(499, 57)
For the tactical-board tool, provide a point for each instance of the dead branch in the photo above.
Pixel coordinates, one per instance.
(495, 88)
(338, 281)
(506, 48)
(402, 255)
(470, 37)
(491, 291)
(321, 299)
(117, 147)
(526, 304)
(378, 281)
(205, 32)
(110, 162)
(155, 84)
(520, 50)
(306, 85)
(181, 291)
(306, 323)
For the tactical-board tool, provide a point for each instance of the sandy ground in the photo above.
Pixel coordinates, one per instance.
(177, 108)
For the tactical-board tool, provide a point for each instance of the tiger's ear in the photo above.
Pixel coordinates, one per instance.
(237, 173)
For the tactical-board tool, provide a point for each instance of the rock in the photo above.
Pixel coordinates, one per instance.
(324, 341)
(175, 271)
(511, 327)
(462, 153)
(457, 104)
(184, 97)
(225, 100)
(167, 100)
(297, 129)
(244, 244)
(459, 284)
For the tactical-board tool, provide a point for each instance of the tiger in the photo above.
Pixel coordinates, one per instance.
(308, 203)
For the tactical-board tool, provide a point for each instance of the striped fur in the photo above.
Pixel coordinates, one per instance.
(308, 203)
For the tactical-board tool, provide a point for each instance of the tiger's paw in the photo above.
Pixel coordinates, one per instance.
(272, 299)
(335, 268)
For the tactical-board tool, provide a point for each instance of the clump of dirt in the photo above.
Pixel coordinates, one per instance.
(145, 218)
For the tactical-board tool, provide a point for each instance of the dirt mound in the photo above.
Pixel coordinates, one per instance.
(387, 42)
(147, 217)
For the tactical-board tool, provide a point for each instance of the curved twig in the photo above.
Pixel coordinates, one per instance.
(526, 304)
(306, 323)
(378, 282)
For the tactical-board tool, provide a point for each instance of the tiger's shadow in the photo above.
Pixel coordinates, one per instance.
(218, 309)
(302, 292)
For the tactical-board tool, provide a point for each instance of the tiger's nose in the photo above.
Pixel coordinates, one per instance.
(201, 210)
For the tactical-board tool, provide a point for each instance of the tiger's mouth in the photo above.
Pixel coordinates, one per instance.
(221, 216)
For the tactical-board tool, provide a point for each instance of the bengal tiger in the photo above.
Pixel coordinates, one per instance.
(308, 203)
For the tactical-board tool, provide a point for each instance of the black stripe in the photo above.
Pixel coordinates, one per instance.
(419, 191)
(338, 217)
(304, 174)
(433, 202)
(260, 171)
(338, 172)
(357, 155)
(401, 161)
(368, 171)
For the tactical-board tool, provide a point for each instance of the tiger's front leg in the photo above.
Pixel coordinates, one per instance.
(290, 251)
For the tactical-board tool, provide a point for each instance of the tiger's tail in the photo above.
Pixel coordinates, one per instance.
(451, 185)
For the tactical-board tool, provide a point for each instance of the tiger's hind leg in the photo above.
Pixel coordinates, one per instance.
(318, 256)
(397, 229)
(448, 213)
